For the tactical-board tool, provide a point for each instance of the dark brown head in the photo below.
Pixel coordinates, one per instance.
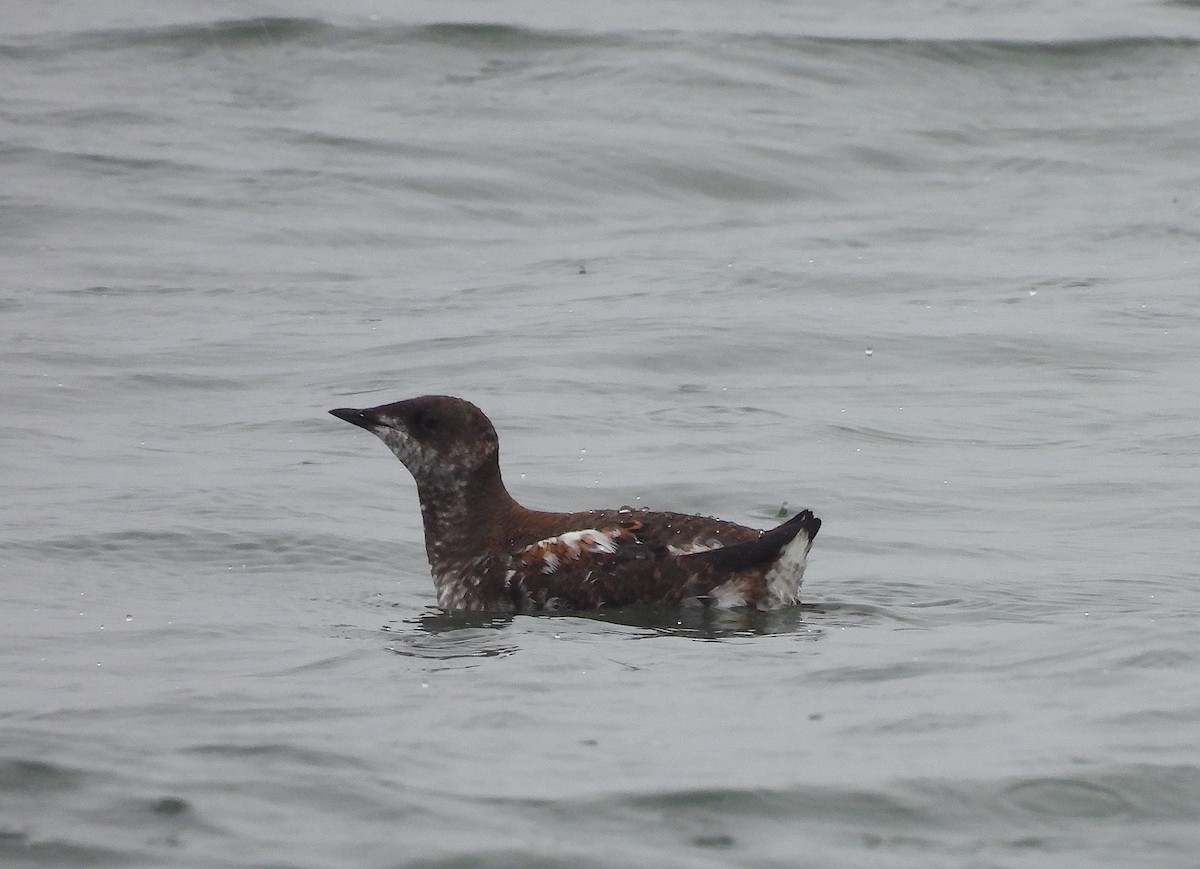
(442, 440)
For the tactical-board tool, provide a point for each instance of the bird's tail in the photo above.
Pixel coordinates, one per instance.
(787, 542)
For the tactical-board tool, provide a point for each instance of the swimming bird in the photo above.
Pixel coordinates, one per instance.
(487, 552)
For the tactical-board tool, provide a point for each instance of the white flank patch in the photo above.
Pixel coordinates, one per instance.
(727, 595)
(551, 562)
(786, 575)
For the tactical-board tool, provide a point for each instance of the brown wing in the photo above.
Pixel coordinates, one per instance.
(575, 569)
(659, 558)
(760, 551)
(675, 533)
(596, 580)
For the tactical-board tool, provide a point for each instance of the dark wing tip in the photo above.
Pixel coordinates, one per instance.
(766, 548)
(783, 534)
(804, 521)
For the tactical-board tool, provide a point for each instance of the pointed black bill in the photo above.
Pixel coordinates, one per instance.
(354, 416)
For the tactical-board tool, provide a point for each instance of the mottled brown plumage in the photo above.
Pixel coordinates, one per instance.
(487, 552)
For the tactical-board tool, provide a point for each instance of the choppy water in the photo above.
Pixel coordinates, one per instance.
(931, 271)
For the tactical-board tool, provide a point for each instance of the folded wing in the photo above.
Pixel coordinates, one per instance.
(627, 562)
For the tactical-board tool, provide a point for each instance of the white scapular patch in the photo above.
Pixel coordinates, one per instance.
(554, 551)
(590, 540)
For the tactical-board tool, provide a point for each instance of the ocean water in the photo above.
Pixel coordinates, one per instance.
(929, 269)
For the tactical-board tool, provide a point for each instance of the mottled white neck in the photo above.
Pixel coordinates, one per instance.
(462, 516)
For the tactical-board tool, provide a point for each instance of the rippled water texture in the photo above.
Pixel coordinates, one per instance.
(929, 270)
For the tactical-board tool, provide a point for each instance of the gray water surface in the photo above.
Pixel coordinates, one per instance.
(930, 271)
